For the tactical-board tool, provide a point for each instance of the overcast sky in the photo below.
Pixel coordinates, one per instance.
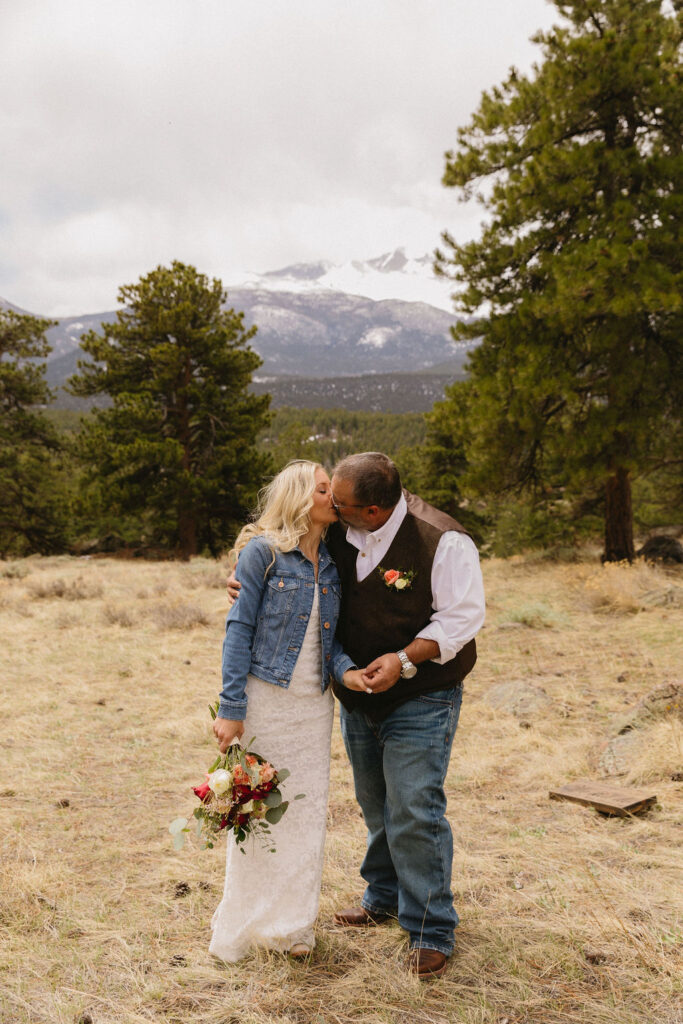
(237, 136)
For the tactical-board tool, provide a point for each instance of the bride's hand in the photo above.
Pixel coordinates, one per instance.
(226, 731)
(353, 680)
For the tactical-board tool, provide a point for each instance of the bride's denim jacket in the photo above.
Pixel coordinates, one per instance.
(265, 627)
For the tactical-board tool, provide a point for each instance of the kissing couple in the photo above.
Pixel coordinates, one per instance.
(353, 587)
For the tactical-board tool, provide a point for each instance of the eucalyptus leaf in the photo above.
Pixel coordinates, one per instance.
(273, 799)
(283, 774)
(177, 825)
(300, 796)
(178, 841)
(274, 814)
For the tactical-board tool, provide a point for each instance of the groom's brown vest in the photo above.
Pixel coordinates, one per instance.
(376, 619)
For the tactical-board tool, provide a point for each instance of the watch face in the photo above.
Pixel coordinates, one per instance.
(409, 670)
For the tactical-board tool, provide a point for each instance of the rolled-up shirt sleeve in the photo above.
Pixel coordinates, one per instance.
(457, 596)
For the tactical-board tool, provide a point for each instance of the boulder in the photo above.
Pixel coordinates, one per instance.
(664, 701)
(661, 549)
(617, 754)
(518, 698)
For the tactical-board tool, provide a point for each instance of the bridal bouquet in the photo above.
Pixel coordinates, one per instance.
(241, 795)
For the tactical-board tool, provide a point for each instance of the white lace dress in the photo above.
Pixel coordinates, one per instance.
(271, 899)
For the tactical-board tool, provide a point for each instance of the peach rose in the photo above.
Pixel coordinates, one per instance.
(391, 575)
(240, 776)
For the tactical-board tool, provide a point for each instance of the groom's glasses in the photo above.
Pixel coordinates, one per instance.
(343, 504)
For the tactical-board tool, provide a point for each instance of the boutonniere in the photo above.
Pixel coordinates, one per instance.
(397, 579)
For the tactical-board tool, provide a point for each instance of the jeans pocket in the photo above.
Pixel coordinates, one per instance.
(444, 698)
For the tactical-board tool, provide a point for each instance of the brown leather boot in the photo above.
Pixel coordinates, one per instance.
(359, 917)
(427, 963)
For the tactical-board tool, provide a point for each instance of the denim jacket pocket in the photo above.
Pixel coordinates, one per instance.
(280, 594)
(278, 608)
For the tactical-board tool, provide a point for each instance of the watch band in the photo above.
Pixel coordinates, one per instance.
(408, 669)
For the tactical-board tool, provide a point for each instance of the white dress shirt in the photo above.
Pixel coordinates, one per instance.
(457, 585)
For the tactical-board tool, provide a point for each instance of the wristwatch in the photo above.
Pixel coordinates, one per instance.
(408, 670)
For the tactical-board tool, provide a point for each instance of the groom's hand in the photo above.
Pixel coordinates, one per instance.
(382, 673)
(233, 586)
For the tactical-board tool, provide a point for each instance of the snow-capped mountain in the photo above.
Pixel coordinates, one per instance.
(391, 276)
(383, 316)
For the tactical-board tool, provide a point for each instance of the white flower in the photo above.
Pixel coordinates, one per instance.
(401, 583)
(247, 808)
(220, 782)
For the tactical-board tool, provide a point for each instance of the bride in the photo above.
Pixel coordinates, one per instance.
(278, 654)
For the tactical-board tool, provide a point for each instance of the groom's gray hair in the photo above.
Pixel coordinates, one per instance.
(374, 477)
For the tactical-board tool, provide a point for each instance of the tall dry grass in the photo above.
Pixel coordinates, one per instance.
(107, 668)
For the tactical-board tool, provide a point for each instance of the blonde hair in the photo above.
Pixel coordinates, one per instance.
(282, 515)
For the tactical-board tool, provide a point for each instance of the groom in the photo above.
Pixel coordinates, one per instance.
(412, 603)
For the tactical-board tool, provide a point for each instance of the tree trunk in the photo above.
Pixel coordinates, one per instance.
(187, 534)
(618, 518)
(187, 522)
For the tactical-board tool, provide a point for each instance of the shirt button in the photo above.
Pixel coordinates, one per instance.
(326, 625)
(280, 584)
(327, 657)
(324, 590)
(362, 554)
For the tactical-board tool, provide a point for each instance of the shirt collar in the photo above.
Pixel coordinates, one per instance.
(385, 534)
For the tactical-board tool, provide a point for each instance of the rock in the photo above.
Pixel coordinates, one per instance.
(661, 549)
(664, 701)
(617, 754)
(597, 956)
(663, 597)
(518, 698)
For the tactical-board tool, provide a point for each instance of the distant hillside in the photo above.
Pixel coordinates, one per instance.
(380, 392)
(321, 344)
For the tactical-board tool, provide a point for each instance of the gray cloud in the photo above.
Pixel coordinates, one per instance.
(236, 135)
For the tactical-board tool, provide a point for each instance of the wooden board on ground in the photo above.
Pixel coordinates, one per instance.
(606, 797)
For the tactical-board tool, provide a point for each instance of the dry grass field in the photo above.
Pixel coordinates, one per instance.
(106, 671)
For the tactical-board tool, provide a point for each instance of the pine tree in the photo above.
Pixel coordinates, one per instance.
(177, 444)
(33, 516)
(576, 277)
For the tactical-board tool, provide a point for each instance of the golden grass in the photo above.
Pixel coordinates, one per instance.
(566, 916)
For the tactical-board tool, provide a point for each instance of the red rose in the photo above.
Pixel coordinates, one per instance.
(203, 792)
(391, 575)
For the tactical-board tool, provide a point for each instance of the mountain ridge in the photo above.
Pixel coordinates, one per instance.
(323, 334)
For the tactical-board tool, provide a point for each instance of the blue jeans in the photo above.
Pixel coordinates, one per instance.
(399, 768)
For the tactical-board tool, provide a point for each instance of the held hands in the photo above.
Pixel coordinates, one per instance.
(382, 673)
(353, 680)
(227, 731)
